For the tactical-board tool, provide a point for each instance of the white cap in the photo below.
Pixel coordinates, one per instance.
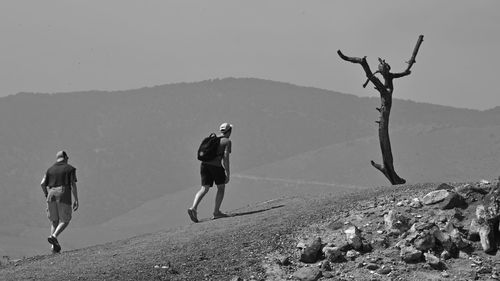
(224, 127)
(62, 155)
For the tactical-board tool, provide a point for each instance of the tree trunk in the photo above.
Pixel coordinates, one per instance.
(385, 143)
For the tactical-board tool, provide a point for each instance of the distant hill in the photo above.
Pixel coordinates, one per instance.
(421, 153)
(134, 146)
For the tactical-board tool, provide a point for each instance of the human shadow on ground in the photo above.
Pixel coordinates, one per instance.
(256, 211)
(230, 215)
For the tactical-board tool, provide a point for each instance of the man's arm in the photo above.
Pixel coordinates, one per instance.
(225, 160)
(43, 184)
(74, 191)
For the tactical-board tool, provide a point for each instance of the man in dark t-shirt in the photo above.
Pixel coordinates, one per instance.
(216, 170)
(58, 184)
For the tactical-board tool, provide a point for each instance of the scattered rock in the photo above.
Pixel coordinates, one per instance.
(416, 203)
(335, 225)
(325, 266)
(333, 254)
(434, 261)
(445, 186)
(463, 255)
(328, 274)
(453, 200)
(352, 254)
(445, 241)
(474, 230)
(353, 236)
(425, 242)
(284, 261)
(434, 197)
(445, 255)
(481, 213)
(484, 270)
(421, 226)
(345, 247)
(401, 244)
(308, 274)
(456, 238)
(468, 188)
(372, 266)
(458, 215)
(366, 247)
(487, 238)
(396, 221)
(444, 227)
(301, 245)
(384, 271)
(380, 243)
(310, 253)
(410, 254)
(484, 182)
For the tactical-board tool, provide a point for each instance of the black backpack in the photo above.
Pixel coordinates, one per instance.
(208, 148)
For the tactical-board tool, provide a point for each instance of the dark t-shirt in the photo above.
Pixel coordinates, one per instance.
(59, 178)
(225, 145)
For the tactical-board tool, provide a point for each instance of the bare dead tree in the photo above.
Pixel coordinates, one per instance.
(385, 89)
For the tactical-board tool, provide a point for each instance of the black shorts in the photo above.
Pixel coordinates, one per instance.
(210, 174)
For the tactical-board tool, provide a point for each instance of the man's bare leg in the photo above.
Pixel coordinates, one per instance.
(218, 198)
(53, 227)
(199, 195)
(192, 212)
(60, 228)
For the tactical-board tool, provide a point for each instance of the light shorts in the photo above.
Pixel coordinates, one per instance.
(58, 212)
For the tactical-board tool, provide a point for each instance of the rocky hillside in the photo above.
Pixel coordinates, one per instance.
(445, 231)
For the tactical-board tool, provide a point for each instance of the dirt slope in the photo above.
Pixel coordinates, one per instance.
(211, 250)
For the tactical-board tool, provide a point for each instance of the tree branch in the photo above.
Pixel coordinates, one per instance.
(362, 61)
(415, 51)
(351, 59)
(377, 166)
(401, 74)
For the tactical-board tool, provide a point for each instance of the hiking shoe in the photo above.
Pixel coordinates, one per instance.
(192, 215)
(219, 216)
(55, 244)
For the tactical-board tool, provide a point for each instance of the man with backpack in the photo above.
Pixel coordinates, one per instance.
(214, 156)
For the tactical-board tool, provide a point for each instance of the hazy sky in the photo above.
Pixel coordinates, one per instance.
(70, 45)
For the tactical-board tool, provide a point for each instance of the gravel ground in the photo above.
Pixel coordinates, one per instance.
(238, 246)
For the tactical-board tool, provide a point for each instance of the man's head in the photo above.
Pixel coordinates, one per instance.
(62, 156)
(226, 129)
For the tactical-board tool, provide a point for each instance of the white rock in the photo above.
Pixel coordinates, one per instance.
(301, 245)
(353, 236)
(481, 212)
(435, 197)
